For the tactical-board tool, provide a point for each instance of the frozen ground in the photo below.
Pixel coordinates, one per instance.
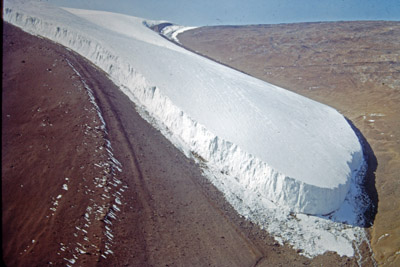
(271, 152)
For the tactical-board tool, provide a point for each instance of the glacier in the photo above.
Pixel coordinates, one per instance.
(271, 143)
(294, 151)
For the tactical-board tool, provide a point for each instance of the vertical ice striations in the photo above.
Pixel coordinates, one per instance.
(291, 150)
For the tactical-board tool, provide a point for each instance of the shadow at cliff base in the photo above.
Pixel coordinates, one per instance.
(368, 185)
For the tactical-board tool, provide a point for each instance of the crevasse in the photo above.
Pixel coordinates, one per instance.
(260, 168)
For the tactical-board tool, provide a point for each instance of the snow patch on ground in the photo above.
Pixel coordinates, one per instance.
(111, 185)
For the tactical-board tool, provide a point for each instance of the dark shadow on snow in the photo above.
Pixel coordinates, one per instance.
(368, 185)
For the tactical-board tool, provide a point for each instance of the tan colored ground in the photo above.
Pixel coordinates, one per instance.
(351, 66)
(169, 215)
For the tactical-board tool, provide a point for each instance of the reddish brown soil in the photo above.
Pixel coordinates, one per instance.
(351, 66)
(46, 143)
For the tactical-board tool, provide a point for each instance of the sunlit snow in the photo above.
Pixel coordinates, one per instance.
(276, 156)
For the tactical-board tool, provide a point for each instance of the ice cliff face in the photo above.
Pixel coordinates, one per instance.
(293, 151)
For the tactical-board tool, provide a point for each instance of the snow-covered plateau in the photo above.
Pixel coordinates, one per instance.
(277, 156)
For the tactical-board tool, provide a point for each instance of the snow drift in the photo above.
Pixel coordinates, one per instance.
(293, 151)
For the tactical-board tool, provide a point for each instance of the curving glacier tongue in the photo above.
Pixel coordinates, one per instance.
(291, 150)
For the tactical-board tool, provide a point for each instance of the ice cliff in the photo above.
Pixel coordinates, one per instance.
(291, 150)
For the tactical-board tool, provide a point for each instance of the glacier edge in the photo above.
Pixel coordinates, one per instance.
(252, 173)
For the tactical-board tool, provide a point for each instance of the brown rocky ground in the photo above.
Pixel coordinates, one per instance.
(168, 214)
(351, 66)
(51, 139)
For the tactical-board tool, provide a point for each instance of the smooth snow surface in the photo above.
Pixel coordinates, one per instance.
(265, 145)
